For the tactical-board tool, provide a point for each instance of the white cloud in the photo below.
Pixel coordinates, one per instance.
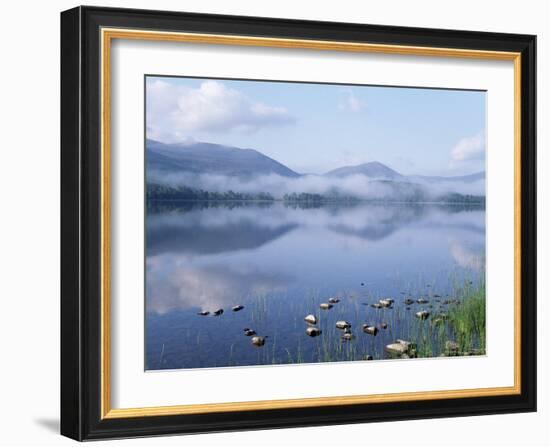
(469, 148)
(352, 103)
(174, 112)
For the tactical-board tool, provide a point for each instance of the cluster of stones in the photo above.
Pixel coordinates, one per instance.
(218, 312)
(345, 326)
(256, 340)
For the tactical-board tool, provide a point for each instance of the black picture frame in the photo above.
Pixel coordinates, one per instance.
(81, 223)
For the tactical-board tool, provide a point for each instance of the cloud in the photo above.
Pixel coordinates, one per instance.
(469, 148)
(175, 111)
(352, 103)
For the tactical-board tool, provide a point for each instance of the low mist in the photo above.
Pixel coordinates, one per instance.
(359, 186)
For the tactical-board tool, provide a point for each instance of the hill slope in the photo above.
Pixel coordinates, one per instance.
(207, 158)
(373, 170)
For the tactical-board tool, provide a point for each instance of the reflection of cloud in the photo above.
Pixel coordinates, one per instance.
(174, 110)
(467, 258)
(173, 282)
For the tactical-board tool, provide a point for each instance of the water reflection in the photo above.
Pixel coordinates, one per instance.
(209, 227)
(277, 259)
(208, 232)
(175, 282)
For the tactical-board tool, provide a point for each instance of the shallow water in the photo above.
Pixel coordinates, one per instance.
(280, 262)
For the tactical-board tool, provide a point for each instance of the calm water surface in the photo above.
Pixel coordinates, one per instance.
(281, 261)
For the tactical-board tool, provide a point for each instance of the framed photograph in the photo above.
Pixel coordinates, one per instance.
(275, 223)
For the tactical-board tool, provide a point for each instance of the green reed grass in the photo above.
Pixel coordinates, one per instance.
(462, 322)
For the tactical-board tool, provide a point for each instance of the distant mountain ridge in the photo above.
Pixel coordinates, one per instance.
(201, 158)
(373, 169)
(209, 158)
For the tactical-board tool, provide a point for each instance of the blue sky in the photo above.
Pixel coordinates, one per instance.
(313, 128)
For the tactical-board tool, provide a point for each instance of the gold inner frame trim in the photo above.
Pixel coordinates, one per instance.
(107, 35)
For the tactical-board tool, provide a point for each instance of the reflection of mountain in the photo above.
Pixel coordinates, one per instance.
(211, 159)
(169, 237)
(376, 222)
(204, 229)
(387, 221)
(206, 257)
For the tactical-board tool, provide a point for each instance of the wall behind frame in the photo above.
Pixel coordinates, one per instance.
(29, 236)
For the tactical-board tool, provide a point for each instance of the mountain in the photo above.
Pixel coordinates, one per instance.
(241, 176)
(208, 158)
(378, 171)
(374, 170)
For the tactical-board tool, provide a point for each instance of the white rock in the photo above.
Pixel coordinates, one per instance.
(313, 331)
(258, 341)
(371, 330)
(342, 324)
(310, 319)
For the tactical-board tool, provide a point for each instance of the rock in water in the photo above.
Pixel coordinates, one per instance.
(371, 330)
(347, 336)
(218, 312)
(325, 306)
(310, 319)
(333, 300)
(342, 324)
(396, 349)
(237, 308)
(451, 348)
(249, 332)
(258, 341)
(401, 349)
(423, 314)
(313, 331)
(387, 302)
(421, 300)
(408, 301)
(203, 313)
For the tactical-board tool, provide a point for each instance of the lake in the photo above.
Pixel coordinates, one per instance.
(281, 260)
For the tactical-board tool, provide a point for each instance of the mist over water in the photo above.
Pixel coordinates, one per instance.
(360, 186)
